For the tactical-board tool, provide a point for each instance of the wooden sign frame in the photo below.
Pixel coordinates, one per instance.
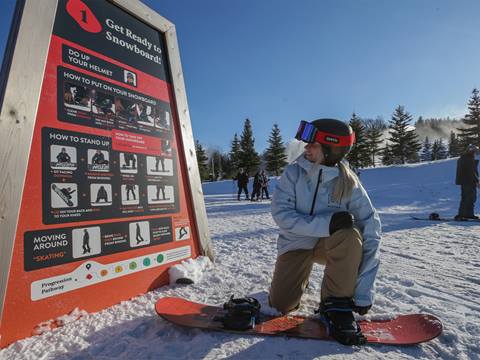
(24, 74)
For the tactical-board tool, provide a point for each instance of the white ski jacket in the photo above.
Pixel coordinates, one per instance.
(302, 223)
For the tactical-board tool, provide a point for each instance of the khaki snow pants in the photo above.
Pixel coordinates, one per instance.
(341, 253)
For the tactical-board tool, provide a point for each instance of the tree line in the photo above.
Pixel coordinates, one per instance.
(243, 155)
(377, 142)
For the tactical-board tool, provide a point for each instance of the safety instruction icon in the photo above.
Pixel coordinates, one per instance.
(182, 233)
(86, 241)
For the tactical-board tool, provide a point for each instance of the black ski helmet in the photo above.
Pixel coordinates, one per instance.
(338, 140)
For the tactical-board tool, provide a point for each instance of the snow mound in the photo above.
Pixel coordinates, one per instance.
(191, 269)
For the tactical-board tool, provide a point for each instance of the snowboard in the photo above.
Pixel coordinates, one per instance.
(444, 219)
(400, 330)
(62, 195)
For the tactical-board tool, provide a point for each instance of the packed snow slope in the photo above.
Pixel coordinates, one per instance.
(426, 267)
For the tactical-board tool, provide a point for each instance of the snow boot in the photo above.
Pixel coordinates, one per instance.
(338, 314)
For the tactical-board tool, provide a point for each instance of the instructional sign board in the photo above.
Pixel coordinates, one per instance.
(110, 195)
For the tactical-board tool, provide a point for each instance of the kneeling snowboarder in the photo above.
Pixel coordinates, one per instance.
(325, 216)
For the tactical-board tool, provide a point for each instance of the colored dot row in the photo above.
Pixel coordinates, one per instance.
(132, 266)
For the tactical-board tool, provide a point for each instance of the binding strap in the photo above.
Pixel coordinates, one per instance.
(240, 314)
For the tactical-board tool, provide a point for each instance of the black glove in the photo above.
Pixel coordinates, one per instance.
(361, 310)
(341, 220)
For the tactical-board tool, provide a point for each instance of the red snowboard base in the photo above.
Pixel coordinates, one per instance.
(401, 330)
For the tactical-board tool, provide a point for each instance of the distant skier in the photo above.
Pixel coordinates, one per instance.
(242, 182)
(467, 178)
(257, 186)
(326, 217)
(63, 156)
(265, 181)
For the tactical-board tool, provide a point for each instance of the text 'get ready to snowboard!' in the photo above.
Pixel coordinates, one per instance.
(106, 205)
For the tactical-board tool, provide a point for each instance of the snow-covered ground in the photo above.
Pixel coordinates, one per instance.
(426, 267)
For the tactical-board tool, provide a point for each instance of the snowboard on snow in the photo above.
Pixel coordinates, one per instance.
(444, 219)
(400, 330)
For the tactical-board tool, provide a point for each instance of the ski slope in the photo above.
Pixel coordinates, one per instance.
(426, 267)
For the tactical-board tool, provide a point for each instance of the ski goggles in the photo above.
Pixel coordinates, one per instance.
(309, 133)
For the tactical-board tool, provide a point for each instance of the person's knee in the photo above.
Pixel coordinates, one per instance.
(350, 239)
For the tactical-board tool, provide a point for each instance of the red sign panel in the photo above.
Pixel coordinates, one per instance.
(106, 208)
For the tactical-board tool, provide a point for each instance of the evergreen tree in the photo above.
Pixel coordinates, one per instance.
(387, 156)
(439, 151)
(470, 134)
(249, 158)
(454, 146)
(215, 166)
(426, 150)
(275, 154)
(202, 161)
(226, 165)
(235, 153)
(358, 157)
(373, 137)
(404, 141)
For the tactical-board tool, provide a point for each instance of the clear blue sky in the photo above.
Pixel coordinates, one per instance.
(280, 61)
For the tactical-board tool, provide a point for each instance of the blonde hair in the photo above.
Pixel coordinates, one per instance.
(346, 181)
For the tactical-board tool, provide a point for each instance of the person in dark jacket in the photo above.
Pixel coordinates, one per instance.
(264, 181)
(99, 158)
(242, 182)
(63, 156)
(257, 186)
(467, 178)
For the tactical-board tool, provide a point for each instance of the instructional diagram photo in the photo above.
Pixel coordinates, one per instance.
(63, 157)
(130, 78)
(159, 165)
(98, 160)
(160, 194)
(64, 195)
(144, 114)
(101, 194)
(128, 163)
(166, 147)
(126, 110)
(77, 97)
(162, 119)
(139, 233)
(102, 104)
(86, 241)
(130, 194)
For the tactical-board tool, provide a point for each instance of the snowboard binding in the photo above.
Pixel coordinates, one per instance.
(434, 216)
(337, 313)
(241, 314)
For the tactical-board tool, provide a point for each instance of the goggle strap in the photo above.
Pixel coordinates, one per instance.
(335, 140)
